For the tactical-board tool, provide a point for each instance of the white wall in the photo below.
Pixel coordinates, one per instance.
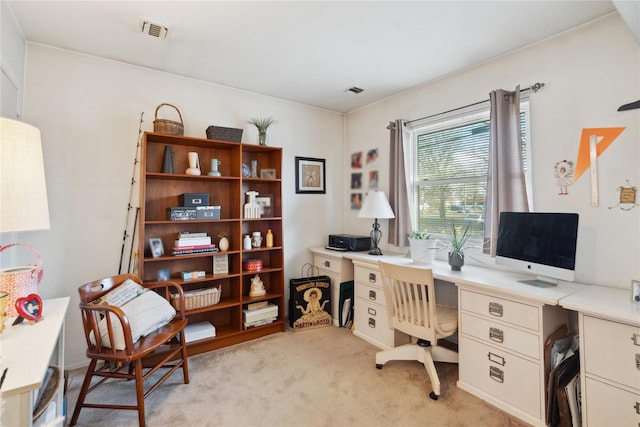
(88, 112)
(589, 72)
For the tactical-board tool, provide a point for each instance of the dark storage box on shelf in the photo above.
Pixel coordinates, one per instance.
(193, 199)
(224, 134)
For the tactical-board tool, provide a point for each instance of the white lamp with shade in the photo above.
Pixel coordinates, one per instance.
(23, 201)
(376, 206)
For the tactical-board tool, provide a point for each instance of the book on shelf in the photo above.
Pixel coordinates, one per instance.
(193, 241)
(211, 246)
(248, 325)
(256, 305)
(188, 234)
(180, 251)
(249, 316)
(199, 331)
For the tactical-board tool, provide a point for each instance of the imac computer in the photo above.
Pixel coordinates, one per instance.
(543, 244)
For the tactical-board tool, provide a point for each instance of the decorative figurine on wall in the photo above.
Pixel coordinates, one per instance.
(627, 197)
(563, 173)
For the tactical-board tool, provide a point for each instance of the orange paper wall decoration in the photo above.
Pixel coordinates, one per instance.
(607, 135)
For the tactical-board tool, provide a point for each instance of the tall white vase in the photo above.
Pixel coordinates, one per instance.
(194, 164)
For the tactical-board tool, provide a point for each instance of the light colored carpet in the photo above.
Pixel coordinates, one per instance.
(318, 377)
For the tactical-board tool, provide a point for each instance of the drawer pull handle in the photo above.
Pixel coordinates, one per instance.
(327, 264)
(372, 277)
(496, 374)
(637, 406)
(495, 309)
(636, 339)
(372, 323)
(372, 311)
(496, 359)
(496, 335)
(372, 295)
(638, 361)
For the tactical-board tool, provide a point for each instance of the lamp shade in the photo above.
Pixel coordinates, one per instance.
(23, 191)
(376, 205)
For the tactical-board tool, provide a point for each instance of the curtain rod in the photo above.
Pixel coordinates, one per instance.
(535, 87)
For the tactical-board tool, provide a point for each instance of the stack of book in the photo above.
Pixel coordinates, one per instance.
(258, 314)
(193, 242)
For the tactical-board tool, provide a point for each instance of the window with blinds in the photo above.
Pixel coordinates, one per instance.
(451, 158)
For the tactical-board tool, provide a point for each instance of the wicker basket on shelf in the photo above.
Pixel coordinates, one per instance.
(198, 298)
(168, 126)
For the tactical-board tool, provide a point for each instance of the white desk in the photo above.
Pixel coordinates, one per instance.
(26, 352)
(509, 371)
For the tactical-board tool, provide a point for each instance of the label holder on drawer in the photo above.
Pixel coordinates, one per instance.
(496, 359)
(636, 339)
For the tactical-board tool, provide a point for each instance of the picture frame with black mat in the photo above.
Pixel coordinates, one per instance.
(310, 175)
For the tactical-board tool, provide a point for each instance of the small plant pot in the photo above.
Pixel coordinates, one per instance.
(456, 260)
(423, 251)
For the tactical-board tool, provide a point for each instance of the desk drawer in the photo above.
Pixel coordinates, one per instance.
(499, 335)
(508, 378)
(371, 276)
(371, 320)
(373, 294)
(327, 263)
(610, 406)
(613, 351)
(501, 309)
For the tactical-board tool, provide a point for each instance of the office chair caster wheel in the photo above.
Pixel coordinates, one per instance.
(433, 396)
(378, 366)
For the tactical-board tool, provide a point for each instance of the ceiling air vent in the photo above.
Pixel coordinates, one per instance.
(355, 90)
(154, 30)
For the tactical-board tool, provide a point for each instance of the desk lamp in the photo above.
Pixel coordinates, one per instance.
(23, 201)
(376, 206)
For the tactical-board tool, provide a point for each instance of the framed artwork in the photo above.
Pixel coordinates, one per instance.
(268, 173)
(266, 205)
(156, 247)
(310, 175)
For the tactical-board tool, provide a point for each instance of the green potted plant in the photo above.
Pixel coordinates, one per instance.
(422, 247)
(457, 241)
(262, 123)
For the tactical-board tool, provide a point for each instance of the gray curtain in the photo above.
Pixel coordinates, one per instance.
(400, 226)
(506, 189)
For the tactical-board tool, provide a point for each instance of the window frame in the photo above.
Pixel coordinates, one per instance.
(457, 118)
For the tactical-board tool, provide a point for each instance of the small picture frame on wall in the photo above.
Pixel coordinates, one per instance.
(310, 175)
(156, 247)
(268, 173)
(635, 291)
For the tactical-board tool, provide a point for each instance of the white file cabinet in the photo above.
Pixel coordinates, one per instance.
(609, 326)
(611, 372)
(339, 269)
(371, 320)
(501, 350)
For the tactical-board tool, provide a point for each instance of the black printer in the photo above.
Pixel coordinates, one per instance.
(348, 242)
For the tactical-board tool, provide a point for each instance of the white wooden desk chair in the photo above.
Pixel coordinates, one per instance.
(412, 309)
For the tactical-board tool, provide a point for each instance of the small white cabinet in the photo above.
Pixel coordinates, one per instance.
(609, 324)
(27, 352)
(339, 269)
(611, 371)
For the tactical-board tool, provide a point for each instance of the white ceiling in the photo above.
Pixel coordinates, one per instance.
(308, 52)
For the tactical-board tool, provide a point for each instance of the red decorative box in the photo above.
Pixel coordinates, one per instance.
(252, 264)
